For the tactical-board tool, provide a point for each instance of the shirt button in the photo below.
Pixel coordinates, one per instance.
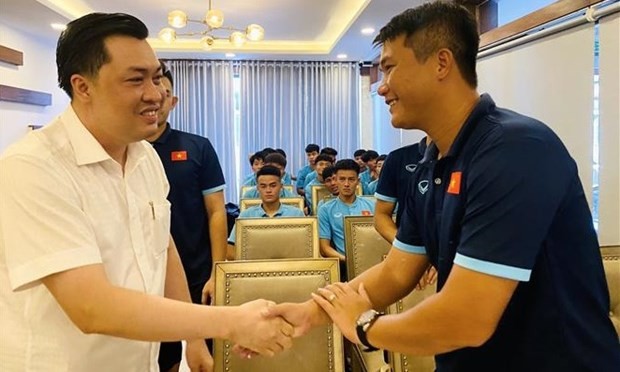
(437, 181)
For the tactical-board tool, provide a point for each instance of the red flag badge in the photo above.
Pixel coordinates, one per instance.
(366, 213)
(178, 155)
(455, 183)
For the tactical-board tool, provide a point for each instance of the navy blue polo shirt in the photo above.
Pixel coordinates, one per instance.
(506, 200)
(398, 167)
(193, 171)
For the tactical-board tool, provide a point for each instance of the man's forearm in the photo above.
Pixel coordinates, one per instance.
(218, 233)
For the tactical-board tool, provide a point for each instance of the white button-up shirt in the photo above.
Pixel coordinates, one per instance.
(65, 203)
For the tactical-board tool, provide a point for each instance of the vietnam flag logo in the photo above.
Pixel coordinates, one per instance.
(366, 213)
(178, 155)
(455, 183)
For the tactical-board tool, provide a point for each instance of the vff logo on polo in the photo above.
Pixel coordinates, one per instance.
(423, 187)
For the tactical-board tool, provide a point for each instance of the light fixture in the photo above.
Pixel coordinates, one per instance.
(341, 56)
(214, 21)
(368, 31)
(58, 26)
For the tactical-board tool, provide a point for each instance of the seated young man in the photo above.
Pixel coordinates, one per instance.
(321, 162)
(357, 155)
(312, 151)
(269, 189)
(329, 177)
(372, 186)
(370, 159)
(256, 162)
(331, 214)
(332, 153)
(278, 161)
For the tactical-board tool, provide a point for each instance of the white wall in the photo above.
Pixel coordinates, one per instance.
(37, 73)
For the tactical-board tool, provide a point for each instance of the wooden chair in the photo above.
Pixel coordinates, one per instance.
(295, 202)
(280, 281)
(276, 238)
(319, 192)
(611, 263)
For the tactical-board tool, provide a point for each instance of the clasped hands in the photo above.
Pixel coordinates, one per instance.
(271, 328)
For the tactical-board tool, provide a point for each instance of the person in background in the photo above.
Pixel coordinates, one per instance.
(312, 151)
(322, 162)
(329, 175)
(257, 161)
(278, 161)
(100, 283)
(331, 214)
(372, 186)
(198, 221)
(357, 156)
(521, 284)
(269, 188)
(332, 153)
(370, 159)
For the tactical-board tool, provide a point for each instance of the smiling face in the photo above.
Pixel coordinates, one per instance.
(407, 86)
(121, 103)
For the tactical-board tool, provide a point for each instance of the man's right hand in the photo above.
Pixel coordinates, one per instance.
(302, 316)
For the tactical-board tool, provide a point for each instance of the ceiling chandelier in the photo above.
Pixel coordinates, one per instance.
(214, 21)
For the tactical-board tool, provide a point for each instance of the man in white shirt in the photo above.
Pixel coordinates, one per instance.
(85, 251)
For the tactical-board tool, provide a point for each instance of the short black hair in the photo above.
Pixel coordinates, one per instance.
(313, 147)
(281, 152)
(328, 172)
(435, 25)
(257, 156)
(382, 157)
(329, 151)
(268, 150)
(323, 157)
(359, 152)
(268, 170)
(275, 158)
(166, 72)
(81, 46)
(370, 155)
(347, 164)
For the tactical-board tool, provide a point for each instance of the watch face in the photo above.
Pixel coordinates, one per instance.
(366, 316)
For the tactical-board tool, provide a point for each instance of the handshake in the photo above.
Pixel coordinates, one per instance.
(265, 328)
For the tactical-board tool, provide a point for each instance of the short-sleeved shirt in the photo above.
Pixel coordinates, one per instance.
(301, 176)
(371, 188)
(309, 177)
(365, 177)
(393, 182)
(506, 200)
(252, 193)
(194, 171)
(257, 211)
(308, 192)
(67, 204)
(331, 218)
(249, 180)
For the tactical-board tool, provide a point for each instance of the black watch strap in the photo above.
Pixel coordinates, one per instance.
(361, 330)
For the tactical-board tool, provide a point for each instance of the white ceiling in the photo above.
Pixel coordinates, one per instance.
(294, 29)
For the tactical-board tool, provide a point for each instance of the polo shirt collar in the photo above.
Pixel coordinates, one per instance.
(484, 106)
(278, 213)
(164, 136)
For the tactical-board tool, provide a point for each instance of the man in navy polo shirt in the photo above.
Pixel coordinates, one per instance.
(496, 205)
(198, 220)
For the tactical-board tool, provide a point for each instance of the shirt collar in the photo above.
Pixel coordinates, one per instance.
(87, 149)
(164, 136)
(277, 214)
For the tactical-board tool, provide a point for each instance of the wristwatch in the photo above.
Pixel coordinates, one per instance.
(363, 323)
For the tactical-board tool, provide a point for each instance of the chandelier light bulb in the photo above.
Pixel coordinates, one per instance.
(177, 19)
(255, 32)
(237, 38)
(168, 35)
(214, 18)
(207, 42)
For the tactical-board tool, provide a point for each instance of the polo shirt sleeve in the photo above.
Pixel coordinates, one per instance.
(43, 226)
(514, 190)
(325, 228)
(211, 177)
(388, 180)
(408, 238)
(301, 177)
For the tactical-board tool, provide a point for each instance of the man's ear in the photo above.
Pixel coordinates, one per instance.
(445, 63)
(175, 100)
(81, 87)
